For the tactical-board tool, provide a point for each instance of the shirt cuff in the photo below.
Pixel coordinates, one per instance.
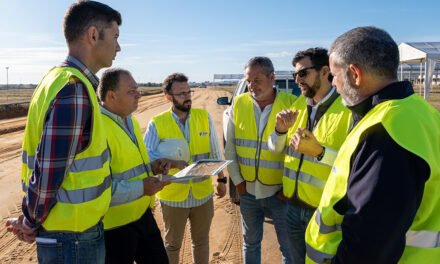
(26, 223)
(236, 180)
(329, 156)
(277, 142)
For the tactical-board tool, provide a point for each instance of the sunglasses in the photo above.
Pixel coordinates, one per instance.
(302, 73)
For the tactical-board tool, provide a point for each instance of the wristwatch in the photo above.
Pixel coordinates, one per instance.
(321, 155)
(222, 180)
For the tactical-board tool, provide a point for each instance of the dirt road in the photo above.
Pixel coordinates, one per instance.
(225, 235)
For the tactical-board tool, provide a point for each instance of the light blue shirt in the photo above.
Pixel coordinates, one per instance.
(124, 191)
(152, 141)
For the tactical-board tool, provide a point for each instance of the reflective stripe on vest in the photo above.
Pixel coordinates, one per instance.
(323, 228)
(267, 164)
(199, 147)
(255, 159)
(399, 118)
(305, 178)
(91, 163)
(85, 194)
(317, 256)
(130, 173)
(28, 160)
(85, 164)
(423, 239)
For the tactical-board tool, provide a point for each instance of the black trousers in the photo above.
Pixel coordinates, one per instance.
(139, 241)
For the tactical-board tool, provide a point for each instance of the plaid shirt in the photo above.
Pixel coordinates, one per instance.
(66, 131)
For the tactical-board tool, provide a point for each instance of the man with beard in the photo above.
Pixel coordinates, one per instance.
(192, 199)
(381, 203)
(310, 132)
(256, 172)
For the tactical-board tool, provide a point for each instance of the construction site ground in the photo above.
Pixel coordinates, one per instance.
(225, 235)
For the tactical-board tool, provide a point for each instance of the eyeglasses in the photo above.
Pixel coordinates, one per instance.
(302, 73)
(183, 94)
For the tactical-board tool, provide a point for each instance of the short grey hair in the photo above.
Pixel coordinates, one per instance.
(264, 62)
(110, 81)
(371, 49)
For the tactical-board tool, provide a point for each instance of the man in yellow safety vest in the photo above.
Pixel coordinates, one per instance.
(381, 202)
(65, 172)
(310, 144)
(192, 199)
(256, 171)
(131, 233)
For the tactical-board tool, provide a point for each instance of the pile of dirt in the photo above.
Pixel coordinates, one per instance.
(13, 110)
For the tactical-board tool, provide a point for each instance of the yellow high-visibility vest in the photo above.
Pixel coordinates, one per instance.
(199, 148)
(85, 193)
(129, 161)
(330, 131)
(267, 167)
(400, 118)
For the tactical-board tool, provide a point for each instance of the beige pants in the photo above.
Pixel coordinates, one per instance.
(200, 219)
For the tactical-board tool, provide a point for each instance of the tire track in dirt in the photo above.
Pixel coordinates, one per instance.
(12, 125)
(15, 251)
(231, 252)
(11, 249)
(10, 145)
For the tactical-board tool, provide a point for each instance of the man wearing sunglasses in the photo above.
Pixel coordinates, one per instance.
(257, 172)
(192, 199)
(310, 134)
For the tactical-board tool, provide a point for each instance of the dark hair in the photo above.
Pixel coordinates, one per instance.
(264, 62)
(110, 81)
(369, 48)
(83, 14)
(318, 57)
(172, 78)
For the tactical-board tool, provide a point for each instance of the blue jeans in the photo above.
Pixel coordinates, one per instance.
(252, 215)
(297, 220)
(69, 247)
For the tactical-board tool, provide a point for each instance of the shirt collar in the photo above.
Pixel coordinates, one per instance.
(73, 62)
(324, 100)
(177, 118)
(393, 91)
(114, 116)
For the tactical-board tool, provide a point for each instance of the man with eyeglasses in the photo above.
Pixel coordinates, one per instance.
(192, 199)
(310, 134)
(257, 172)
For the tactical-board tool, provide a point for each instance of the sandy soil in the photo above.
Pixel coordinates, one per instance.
(225, 235)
